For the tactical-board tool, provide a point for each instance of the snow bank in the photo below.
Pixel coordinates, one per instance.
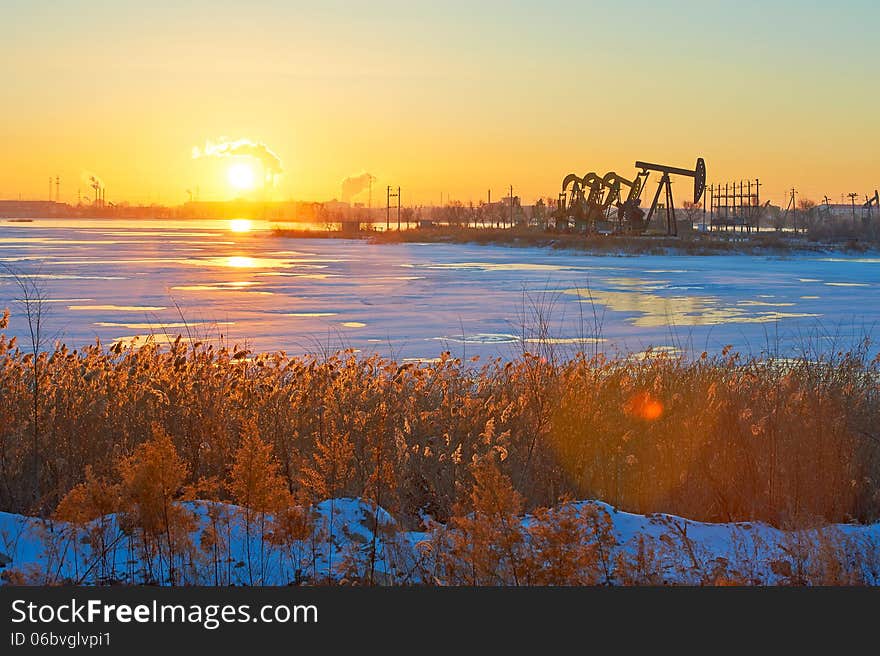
(342, 546)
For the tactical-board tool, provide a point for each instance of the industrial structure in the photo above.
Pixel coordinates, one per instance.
(736, 205)
(871, 204)
(100, 191)
(586, 203)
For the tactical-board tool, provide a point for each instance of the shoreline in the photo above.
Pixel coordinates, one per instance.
(770, 243)
(766, 243)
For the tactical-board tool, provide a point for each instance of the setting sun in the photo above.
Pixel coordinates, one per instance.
(241, 176)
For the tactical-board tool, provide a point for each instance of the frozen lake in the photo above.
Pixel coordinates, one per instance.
(117, 279)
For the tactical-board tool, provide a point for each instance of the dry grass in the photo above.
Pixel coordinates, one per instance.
(718, 439)
(763, 243)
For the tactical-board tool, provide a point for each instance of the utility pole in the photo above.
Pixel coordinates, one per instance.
(511, 206)
(749, 210)
(791, 204)
(852, 198)
(738, 198)
(388, 197)
(711, 198)
(703, 228)
(726, 205)
(50, 188)
(758, 204)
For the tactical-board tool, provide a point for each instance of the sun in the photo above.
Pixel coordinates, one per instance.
(241, 176)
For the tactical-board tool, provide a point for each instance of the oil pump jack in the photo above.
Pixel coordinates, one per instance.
(577, 205)
(699, 176)
(571, 200)
(872, 203)
(628, 212)
(586, 200)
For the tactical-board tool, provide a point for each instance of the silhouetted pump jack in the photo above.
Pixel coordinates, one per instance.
(699, 176)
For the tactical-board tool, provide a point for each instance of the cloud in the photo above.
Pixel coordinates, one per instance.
(353, 185)
(226, 147)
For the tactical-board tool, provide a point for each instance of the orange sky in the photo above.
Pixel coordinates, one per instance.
(452, 99)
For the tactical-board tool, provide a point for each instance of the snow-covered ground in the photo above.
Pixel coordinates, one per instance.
(666, 549)
(117, 279)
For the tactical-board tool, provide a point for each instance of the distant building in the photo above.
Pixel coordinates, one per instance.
(336, 205)
(30, 209)
(840, 209)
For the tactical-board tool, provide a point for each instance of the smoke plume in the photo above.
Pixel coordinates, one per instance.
(92, 180)
(242, 148)
(354, 185)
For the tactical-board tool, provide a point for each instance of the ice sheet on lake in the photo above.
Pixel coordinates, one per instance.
(414, 300)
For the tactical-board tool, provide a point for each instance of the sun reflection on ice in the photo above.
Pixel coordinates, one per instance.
(241, 262)
(240, 225)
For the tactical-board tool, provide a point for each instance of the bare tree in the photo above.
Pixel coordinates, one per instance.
(693, 212)
(539, 214)
(34, 303)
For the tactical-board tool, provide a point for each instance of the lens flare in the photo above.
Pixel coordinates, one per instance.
(645, 406)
